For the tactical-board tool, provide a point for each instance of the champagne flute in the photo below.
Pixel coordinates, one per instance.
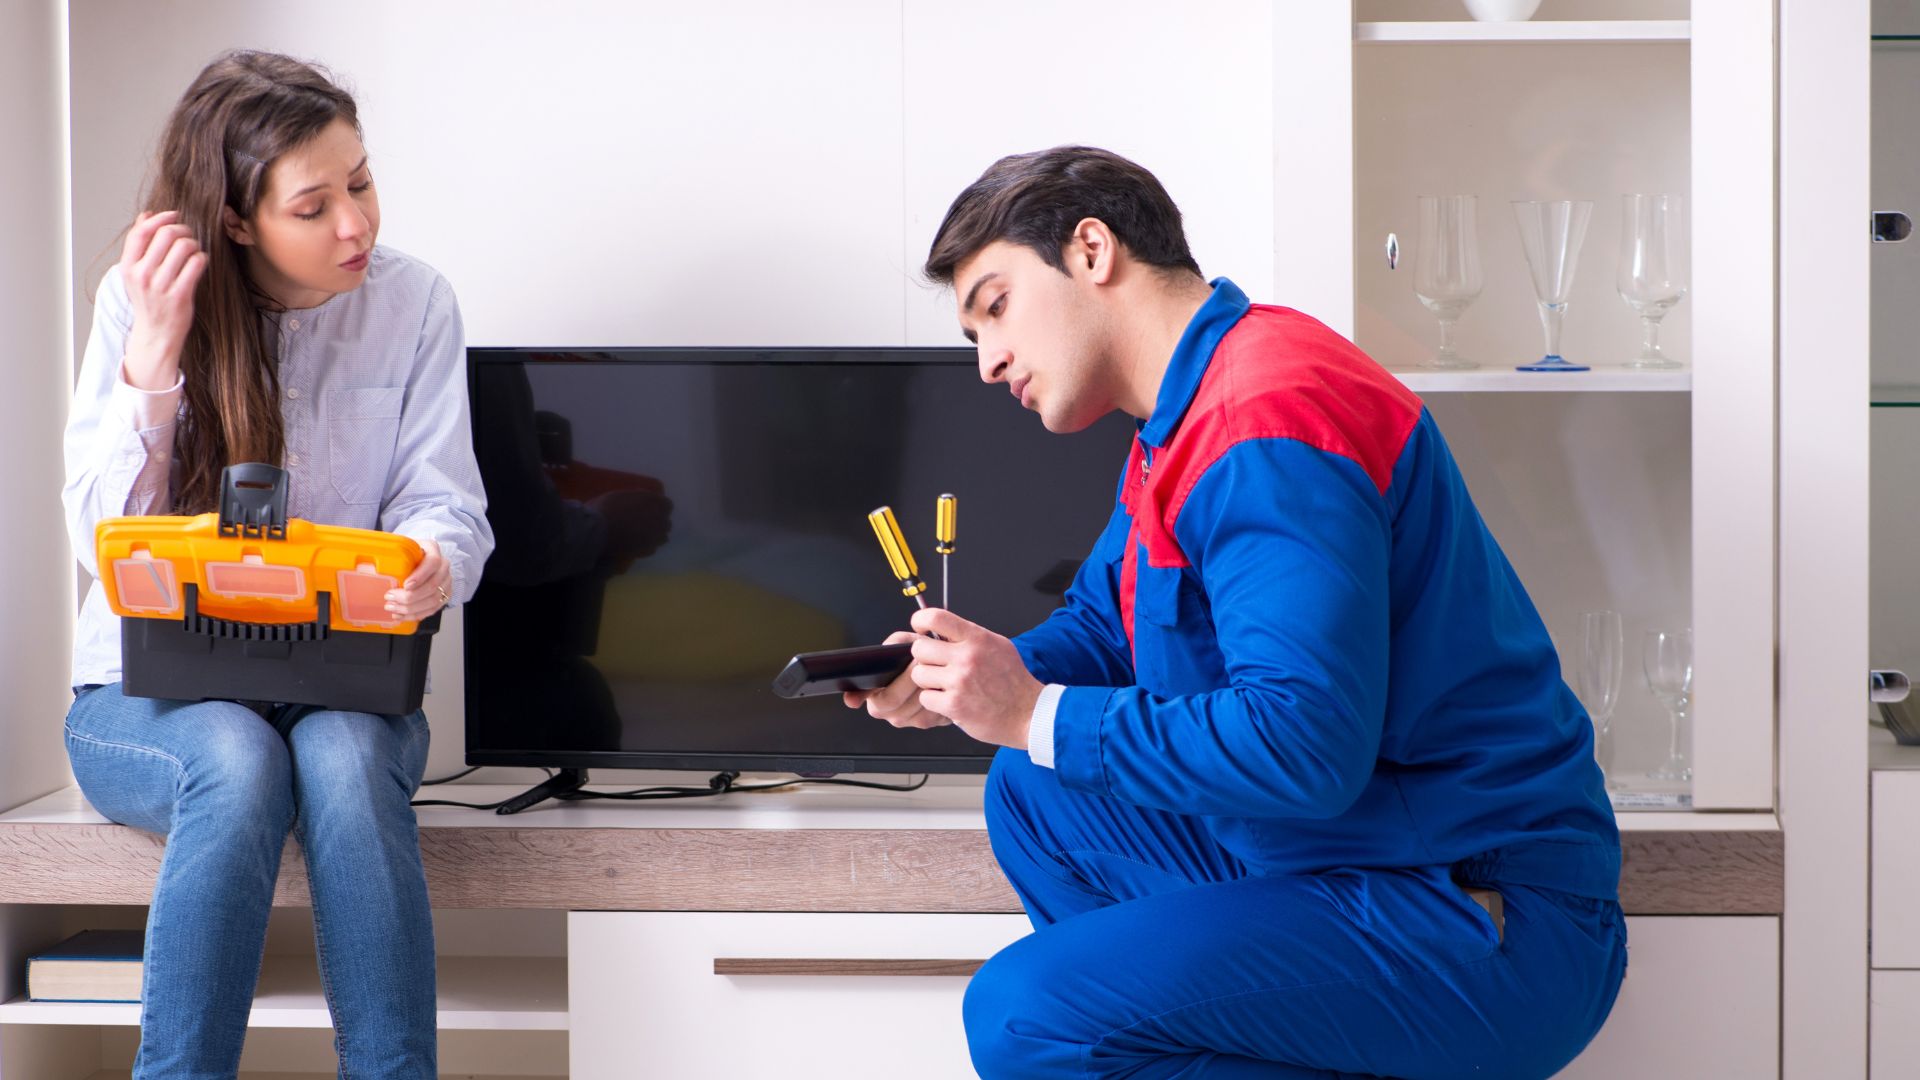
(1667, 657)
(1602, 658)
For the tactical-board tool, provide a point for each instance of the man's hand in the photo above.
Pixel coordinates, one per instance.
(898, 702)
(973, 676)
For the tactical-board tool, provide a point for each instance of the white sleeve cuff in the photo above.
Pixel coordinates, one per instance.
(1040, 727)
(149, 409)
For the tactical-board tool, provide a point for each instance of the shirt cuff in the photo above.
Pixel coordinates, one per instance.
(149, 408)
(1040, 726)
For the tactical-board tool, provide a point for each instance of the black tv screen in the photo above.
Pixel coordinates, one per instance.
(672, 525)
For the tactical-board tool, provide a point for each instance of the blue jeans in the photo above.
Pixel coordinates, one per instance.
(224, 782)
(1157, 954)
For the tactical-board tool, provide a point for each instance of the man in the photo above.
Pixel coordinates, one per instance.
(1292, 785)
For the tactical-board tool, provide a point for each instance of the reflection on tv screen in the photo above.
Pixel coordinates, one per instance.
(673, 524)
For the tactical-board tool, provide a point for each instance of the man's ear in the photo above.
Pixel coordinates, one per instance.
(1096, 250)
(237, 230)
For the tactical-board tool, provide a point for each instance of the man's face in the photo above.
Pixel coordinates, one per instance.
(1038, 330)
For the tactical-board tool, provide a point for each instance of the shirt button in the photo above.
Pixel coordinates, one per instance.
(294, 392)
(293, 459)
(293, 324)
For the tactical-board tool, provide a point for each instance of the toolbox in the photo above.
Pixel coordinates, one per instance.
(247, 605)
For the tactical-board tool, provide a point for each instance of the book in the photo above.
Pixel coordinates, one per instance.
(93, 965)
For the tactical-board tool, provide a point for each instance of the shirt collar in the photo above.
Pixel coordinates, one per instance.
(1190, 357)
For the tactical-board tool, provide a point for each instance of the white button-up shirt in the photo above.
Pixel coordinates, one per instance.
(377, 430)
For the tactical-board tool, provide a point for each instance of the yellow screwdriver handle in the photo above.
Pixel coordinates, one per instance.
(946, 524)
(894, 543)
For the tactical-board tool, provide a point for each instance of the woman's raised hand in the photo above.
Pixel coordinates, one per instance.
(160, 265)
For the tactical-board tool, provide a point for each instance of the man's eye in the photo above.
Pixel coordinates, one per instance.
(315, 216)
(361, 188)
(997, 307)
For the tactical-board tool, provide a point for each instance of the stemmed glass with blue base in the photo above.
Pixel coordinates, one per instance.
(1551, 233)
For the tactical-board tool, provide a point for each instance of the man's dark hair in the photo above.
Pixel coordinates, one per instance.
(1036, 199)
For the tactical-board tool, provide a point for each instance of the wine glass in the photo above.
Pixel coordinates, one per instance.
(1551, 233)
(1653, 269)
(1667, 657)
(1446, 276)
(1602, 658)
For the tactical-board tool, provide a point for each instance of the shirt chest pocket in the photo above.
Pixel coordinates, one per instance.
(1174, 649)
(363, 426)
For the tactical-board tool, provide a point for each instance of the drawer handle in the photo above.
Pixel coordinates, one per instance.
(763, 965)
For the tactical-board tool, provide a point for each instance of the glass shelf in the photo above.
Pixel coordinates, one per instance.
(1896, 397)
(1620, 31)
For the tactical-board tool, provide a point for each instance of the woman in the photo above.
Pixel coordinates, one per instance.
(252, 318)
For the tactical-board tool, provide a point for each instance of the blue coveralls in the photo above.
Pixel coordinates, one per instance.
(1307, 701)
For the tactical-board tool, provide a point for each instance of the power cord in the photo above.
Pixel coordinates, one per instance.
(720, 783)
(465, 805)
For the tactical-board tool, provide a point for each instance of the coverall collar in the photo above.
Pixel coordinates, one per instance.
(1190, 357)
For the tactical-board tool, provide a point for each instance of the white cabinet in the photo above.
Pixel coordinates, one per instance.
(1896, 860)
(645, 996)
(648, 998)
(1701, 1000)
(1651, 494)
(1893, 1050)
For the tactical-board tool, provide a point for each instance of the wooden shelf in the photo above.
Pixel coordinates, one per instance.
(1609, 31)
(1505, 380)
(808, 850)
(476, 994)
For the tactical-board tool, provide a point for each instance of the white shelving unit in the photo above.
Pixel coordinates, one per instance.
(1682, 461)
(476, 994)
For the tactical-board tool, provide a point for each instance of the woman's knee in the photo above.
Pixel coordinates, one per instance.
(354, 755)
(237, 766)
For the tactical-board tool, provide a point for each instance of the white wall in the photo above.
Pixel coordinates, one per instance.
(603, 173)
(34, 645)
(35, 642)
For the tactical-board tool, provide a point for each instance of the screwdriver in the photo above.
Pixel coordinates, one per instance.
(894, 543)
(945, 527)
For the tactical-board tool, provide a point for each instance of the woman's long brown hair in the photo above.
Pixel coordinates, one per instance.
(242, 113)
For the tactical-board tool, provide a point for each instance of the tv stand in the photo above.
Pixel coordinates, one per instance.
(560, 783)
(802, 916)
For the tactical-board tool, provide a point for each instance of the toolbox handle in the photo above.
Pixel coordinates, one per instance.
(253, 502)
(214, 626)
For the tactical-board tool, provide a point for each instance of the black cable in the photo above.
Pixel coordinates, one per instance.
(450, 777)
(466, 805)
(462, 805)
(722, 783)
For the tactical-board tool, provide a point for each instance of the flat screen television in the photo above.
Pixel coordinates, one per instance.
(673, 525)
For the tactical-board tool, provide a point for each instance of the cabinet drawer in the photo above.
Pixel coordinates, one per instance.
(879, 995)
(1893, 1039)
(1896, 869)
(856, 995)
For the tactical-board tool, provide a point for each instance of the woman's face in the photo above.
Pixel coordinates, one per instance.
(317, 220)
